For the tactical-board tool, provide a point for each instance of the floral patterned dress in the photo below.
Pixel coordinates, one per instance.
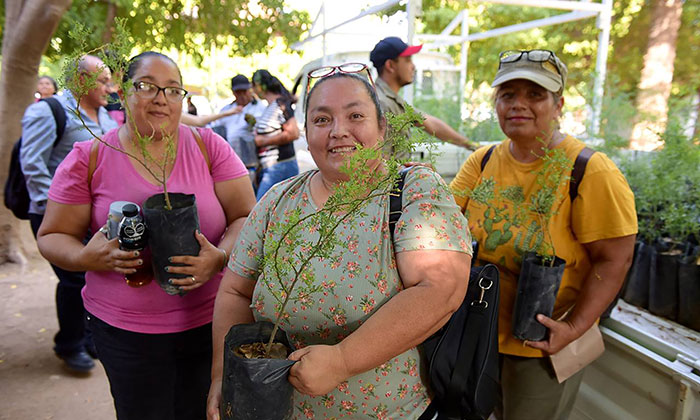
(342, 291)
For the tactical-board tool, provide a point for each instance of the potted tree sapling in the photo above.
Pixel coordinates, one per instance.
(664, 276)
(170, 217)
(511, 216)
(255, 384)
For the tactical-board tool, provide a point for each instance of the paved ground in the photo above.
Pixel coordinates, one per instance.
(33, 383)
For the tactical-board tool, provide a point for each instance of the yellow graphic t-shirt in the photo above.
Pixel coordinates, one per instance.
(603, 209)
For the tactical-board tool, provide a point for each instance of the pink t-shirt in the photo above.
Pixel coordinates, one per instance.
(106, 295)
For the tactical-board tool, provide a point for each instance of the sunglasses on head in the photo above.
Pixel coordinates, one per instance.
(535, 56)
(347, 68)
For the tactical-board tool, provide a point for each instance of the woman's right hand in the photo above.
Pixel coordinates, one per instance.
(214, 400)
(232, 111)
(101, 254)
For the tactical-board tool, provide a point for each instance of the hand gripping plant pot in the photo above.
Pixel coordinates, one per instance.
(254, 389)
(171, 233)
(538, 285)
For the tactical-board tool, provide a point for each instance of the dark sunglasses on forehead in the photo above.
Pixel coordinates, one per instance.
(536, 56)
(347, 68)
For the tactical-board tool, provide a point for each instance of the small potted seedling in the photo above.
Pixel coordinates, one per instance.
(171, 217)
(664, 276)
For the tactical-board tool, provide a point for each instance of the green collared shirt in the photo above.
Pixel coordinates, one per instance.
(390, 101)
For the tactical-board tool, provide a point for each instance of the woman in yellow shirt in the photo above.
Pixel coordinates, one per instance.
(594, 233)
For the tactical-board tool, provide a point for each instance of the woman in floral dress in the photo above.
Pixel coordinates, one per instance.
(374, 300)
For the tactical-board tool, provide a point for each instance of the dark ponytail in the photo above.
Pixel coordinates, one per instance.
(269, 83)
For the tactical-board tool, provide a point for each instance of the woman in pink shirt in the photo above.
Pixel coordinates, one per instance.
(156, 348)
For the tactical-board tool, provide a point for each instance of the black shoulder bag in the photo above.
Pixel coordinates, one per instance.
(16, 194)
(462, 357)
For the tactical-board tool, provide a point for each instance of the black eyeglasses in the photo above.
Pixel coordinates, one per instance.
(148, 90)
(536, 56)
(347, 68)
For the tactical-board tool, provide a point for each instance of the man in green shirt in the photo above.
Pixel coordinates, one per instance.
(392, 59)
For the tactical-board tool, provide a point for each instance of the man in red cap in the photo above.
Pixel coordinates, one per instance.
(392, 59)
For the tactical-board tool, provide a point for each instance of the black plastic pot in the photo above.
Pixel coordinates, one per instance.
(640, 275)
(663, 287)
(254, 389)
(538, 285)
(689, 290)
(606, 313)
(171, 233)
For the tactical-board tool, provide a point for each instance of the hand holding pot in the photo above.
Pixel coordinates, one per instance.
(561, 333)
(319, 369)
(200, 268)
(101, 254)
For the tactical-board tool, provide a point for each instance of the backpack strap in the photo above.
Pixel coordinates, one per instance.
(577, 172)
(395, 206)
(487, 156)
(579, 169)
(59, 115)
(202, 146)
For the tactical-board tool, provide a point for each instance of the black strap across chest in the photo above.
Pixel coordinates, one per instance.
(576, 173)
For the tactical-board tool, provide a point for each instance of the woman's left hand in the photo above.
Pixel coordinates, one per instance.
(318, 371)
(199, 269)
(561, 333)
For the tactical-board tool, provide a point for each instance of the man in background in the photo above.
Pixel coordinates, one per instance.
(237, 129)
(392, 59)
(41, 153)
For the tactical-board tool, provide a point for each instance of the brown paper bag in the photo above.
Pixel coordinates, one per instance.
(578, 354)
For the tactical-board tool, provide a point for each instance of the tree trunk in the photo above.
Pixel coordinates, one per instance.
(109, 21)
(22, 48)
(657, 74)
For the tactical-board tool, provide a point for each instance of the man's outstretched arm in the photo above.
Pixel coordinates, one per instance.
(438, 128)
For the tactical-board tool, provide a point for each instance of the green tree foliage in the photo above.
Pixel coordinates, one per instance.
(686, 74)
(666, 185)
(191, 26)
(575, 42)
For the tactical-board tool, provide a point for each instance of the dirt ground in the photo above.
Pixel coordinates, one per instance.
(33, 382)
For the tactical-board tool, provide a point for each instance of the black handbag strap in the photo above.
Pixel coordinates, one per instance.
(395, 206)
(477, 322)
(460, 374)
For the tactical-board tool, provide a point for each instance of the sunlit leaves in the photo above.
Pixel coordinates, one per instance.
(243, 26)
(575, 42)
